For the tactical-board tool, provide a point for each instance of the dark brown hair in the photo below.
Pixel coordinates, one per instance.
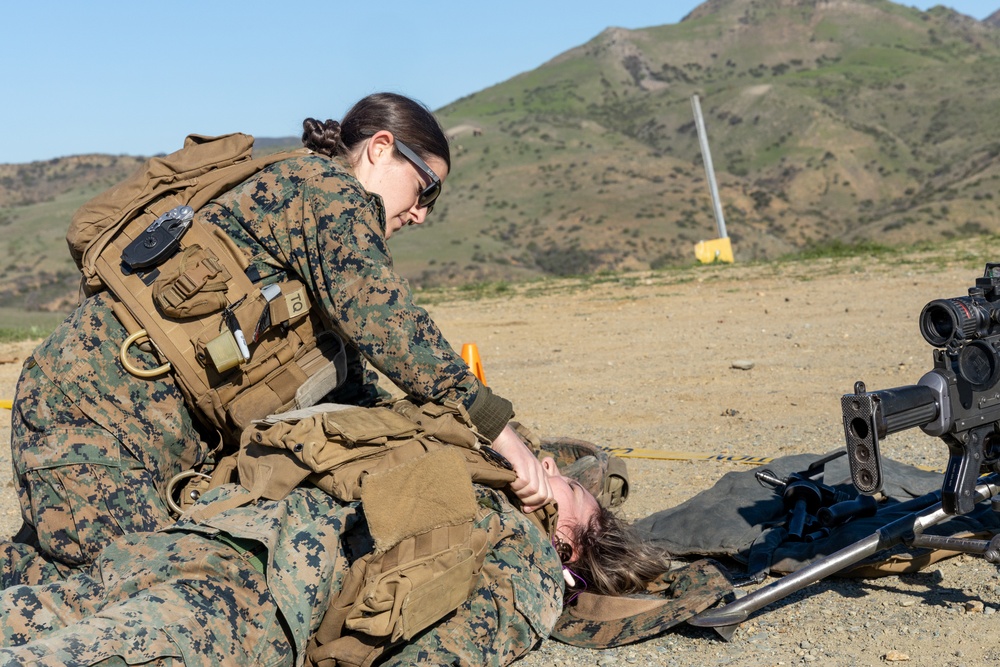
(408, 120)
(613, 559)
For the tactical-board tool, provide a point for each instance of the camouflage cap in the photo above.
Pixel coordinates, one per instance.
(605, 621)
(601, 473)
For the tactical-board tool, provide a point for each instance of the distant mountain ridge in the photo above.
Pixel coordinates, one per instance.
(829, 121)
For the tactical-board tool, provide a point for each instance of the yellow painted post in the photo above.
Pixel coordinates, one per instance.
(716, 250)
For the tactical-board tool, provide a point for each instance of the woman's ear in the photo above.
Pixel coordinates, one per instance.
(380, 146)
(563, 549)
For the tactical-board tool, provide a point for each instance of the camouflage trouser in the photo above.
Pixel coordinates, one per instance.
(177, 594)
(162, 599)
(92, 445)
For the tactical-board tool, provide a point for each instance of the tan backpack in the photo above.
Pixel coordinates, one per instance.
(194, 302)
(194, 175)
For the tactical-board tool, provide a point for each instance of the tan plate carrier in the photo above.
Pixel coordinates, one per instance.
(291, 365)
(187, 305)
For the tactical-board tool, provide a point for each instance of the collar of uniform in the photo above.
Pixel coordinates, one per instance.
(373, 202)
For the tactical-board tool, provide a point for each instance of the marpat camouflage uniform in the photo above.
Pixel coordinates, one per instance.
(310, 217)
(93, 446)
(186, 593)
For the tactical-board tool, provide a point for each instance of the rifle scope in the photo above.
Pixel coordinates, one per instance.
(959, 319)
(964, 318)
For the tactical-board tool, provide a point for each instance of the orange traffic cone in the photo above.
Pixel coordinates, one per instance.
(471, 355)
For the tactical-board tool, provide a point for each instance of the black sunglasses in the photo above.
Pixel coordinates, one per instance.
(430, 193)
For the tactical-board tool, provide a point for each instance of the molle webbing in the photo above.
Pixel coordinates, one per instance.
(207, 297)
(200, 171)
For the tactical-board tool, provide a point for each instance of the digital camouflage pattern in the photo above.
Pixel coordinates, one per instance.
(186, 593)
(310, 217)
(602, 621)
(162, 598)
(21, 565)
(93, 446)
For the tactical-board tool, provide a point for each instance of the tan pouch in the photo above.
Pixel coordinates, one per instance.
(448, 423)
(424, 565)
(417, 485)
(191, 283)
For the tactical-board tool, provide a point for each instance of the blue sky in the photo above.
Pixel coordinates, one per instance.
(136, 76)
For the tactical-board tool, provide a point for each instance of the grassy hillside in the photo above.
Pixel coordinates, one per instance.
(845, 121)
(854, 121)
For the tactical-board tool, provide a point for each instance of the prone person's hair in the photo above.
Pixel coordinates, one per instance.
(407, 120)
(613, 559)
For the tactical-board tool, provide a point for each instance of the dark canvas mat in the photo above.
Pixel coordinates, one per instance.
(726, 520)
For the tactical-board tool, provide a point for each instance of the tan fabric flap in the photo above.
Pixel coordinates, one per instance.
(411, 499)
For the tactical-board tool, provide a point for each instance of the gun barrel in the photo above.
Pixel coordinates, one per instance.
(927, 513)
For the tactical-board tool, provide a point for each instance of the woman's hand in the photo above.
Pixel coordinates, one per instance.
(532, 483)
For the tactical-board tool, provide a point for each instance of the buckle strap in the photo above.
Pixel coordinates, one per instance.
(195, 279)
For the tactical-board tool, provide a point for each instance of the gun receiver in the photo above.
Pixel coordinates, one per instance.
(959, 400)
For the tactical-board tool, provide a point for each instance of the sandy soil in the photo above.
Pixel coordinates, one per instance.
(647, 361)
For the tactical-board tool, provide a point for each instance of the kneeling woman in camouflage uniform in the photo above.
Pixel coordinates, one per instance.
(252, 584)
(94, 445)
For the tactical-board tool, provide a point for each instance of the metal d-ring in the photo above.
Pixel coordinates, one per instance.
(139, 372)
(172, 484)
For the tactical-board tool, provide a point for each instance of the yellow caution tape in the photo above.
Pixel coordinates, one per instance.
(6, 403)
(637, 453)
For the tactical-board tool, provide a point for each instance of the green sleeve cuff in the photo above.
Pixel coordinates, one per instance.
(490, 413)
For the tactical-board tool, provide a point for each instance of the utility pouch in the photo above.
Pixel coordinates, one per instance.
(391, 597)
(398, 601)
(425, 564)
(191, 283)
(288, 380)
(239, 351)
(449, 423)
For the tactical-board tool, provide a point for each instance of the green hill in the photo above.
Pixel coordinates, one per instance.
(829, 122)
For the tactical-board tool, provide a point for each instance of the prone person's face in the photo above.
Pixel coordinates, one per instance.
(577, 506)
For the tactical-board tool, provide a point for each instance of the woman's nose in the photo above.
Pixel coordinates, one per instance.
(418, 215)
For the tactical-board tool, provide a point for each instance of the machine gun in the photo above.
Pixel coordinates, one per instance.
(958, 401)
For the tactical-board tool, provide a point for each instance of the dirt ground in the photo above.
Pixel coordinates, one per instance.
(648, 361)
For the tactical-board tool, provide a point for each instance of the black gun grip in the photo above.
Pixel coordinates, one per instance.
(965, 457)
